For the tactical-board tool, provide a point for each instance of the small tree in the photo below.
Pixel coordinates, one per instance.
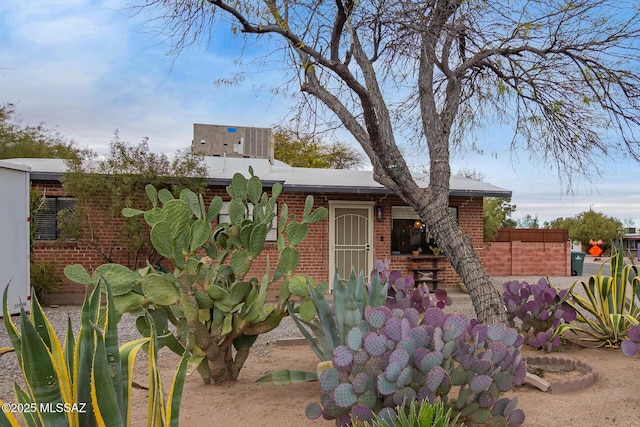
(24, 141)
(306, 150)
(588, 226)
(562, 74)
(496, 214)
(116, 182)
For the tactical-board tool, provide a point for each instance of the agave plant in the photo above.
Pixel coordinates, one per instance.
(609, 308)
(88, 380)
(420, 414)
(325, 327)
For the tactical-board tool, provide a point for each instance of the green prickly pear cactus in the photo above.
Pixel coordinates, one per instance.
(209, 299)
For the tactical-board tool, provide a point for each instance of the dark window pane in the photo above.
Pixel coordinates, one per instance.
(45, 220)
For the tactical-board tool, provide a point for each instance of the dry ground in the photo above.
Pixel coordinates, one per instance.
(613, 401)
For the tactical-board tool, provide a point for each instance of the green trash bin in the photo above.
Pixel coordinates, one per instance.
(577, 263)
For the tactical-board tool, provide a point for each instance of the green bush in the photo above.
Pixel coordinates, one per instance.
(44, 278)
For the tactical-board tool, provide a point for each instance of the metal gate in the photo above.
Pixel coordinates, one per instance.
(351, 230)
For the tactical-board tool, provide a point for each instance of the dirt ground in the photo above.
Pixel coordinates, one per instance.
(613, 401)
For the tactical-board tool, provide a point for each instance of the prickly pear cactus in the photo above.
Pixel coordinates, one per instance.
(210, 300)
(398, 360)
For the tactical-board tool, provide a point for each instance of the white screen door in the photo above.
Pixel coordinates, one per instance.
(351, 229)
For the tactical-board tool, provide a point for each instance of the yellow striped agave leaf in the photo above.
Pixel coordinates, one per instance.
(175, 392)
(30, 418)
(12, 331)
(155, 407)
(40, 374)
(128, 353)
(7, 419)
(50, 339)
(112, 350)
(103, 393)
(83, 355)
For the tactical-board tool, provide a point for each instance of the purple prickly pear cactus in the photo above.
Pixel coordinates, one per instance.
(541, 308)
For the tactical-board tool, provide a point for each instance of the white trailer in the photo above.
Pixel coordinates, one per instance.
(14, 232)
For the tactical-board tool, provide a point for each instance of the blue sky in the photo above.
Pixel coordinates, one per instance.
(87, 68)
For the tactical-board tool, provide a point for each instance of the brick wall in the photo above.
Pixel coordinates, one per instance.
(513, 259)
(527, 259)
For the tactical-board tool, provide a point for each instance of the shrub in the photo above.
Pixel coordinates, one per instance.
(44, 278)
(393, 360)
(541, 308)
(90, 376)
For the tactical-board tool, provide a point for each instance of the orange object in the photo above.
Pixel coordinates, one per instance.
(595, 251)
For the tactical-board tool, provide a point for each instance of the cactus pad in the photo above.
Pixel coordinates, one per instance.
(360, 357)
(496, 331)
(393, 371)
(420, 336)
(354, 339)
(344, 396)
(516, 419)
(510, 337)
(459, 375)
(454, 328)
(342, 358)
(404, 396)
(329, 379)
(504, 381)
(481, 366)
(498, 350)
(360, 382)
(434, 317)
(430, 361)
(481, 416)
(435, 377)
(412, 315)
(500, 406)
(449, 348)
(377, 318)
(438, 342)
(405, 377)
(393, 329)
(408, 344)
(313, 411)
(385, 387)
(362, 412)
(486, 399)
(368, 398)
(375, 344)
(479, 383)
(399, 356)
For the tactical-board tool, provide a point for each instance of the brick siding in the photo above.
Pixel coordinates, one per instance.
(500, 258)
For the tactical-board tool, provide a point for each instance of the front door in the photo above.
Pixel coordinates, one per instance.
(351, 237)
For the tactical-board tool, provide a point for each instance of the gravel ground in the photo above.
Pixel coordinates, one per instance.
(10, 371)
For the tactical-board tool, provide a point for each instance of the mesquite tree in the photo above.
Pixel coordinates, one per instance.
(562, 73)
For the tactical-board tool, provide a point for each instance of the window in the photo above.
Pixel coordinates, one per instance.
(46, 219)
(408, 233)
(272, 234)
